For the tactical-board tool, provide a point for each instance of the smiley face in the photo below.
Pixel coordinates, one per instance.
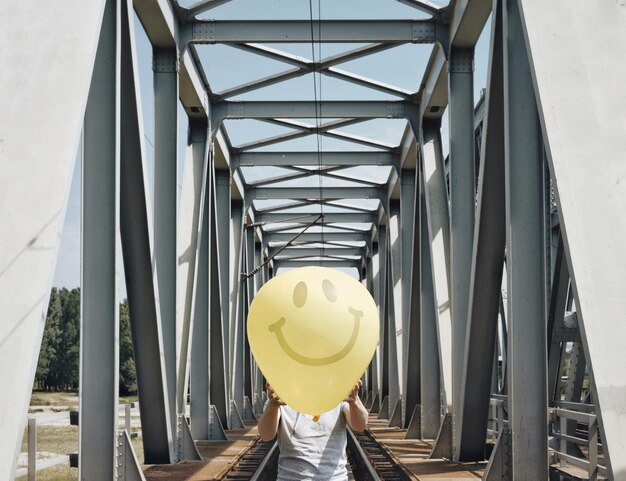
(299, 300)
(313, 332)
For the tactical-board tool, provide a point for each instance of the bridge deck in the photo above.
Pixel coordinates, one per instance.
(220, 457)
(412, 455)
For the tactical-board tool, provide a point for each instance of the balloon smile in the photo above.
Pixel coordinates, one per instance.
(276, 328)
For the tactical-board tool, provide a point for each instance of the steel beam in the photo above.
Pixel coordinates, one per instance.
(317, 251)
(556, 313)
(35, 187)
(410, 292)
(158, 20)
(278, 159)
(588, 193)
(304, 193)
(394, 299)
(193, 280)
(259, 385)
(333, 263)
(249, 266)
(383, 275)
(436, 203)
(191, 84)
(99, 338)
(199, 409)
(316, 31)
(467, 20)
(193, 202)
(165, 68)
(333, 109)
(525, 258)
(236, 297)
(317, 237)
(487, 256)
(218, 329)
(304, 218)
(137, 252)
(430, 357)
(462, 201)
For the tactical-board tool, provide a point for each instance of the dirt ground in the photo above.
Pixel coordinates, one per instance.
(59, 438)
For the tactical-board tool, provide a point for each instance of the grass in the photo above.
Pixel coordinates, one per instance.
(62, 439)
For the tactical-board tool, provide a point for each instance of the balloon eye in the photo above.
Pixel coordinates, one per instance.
(330, 291)
(299, 294)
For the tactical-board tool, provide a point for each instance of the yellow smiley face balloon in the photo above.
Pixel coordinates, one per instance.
(313, 332)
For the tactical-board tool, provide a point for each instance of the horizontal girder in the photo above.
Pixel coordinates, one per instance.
(317, 251)
(327, 193)
(305, 31)
(325, 263)
(338, 217)
(318, 236)
(313, 158)
(374, 109)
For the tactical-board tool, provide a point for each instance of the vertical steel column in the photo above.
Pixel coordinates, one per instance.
(394, 302)
(223, 215)
(199, 369)
(462, 201)
(430, 365)
(217, 271)
(193, 267)
(410, 295)
(525, 258)
(136, 249)
(372, 287)
(258, 282)
(249, 266)
(99, 339)
(436, 203)
(237, 292)
(193, 205)
(383, 256)
(486, 270)
(165, 68)
(556, 313)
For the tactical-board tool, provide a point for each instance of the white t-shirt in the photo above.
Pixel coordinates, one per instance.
(309, 450)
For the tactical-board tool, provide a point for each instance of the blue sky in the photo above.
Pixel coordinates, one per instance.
(227, 67)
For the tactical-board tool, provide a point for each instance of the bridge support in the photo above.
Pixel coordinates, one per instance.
(99, 338)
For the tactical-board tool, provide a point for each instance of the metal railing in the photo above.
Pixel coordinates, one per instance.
(581, 413)
(71, 417)
(497, 416)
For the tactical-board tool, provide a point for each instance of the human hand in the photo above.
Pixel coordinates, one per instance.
(273, 397)
(354, 394)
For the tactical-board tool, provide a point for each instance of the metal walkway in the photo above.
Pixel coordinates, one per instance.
(491, 234)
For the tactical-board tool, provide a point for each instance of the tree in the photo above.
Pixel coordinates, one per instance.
(49, 342)
(64, 369)
(128, 377)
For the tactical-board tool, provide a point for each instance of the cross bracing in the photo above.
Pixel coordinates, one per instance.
(481, 232)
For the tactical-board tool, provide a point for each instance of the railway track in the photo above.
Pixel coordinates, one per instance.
(370, 461)
(258, 464)
(367, 459)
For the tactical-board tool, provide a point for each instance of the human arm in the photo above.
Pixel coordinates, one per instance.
(268, 422)
(354, 410)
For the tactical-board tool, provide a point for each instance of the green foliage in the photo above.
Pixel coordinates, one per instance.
(128, 378)
(59, 357)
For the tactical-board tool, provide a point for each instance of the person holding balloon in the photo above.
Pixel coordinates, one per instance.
(312, 332)
(311, 447)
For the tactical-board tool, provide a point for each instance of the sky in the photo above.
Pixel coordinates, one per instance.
(227, 67)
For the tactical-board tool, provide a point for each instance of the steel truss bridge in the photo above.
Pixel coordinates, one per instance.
(531, 197)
